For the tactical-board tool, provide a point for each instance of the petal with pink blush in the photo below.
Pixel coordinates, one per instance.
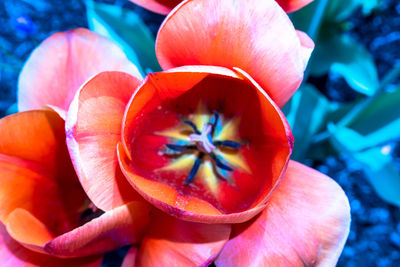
(172, 242)
(255, 36)
(121, 226)
(93, 129)
(306, 223)
(130, 257)
(62, 63)
(307, 46)
(13, 254)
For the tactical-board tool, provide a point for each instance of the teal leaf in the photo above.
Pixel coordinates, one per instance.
(383, 114)
(126, 29)
(378, 124)
(376, 162)
(358, 69)
(381, 172)
(343, 55)
(306, 114)
(353, 141)
(334, 51)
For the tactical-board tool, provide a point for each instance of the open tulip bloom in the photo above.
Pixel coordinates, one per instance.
(189, 166)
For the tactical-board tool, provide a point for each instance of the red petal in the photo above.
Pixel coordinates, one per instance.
(121, 226)
(172, 242)
(165, 6)
(256, 36)
(93, 131)
(161, 100)
(293, 5)
(158, 6)
(12, 254)
(306, 223)
(62, 63)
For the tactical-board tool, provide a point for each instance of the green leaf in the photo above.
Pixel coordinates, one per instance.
(376, 162)
(353, 141)
(378, 124)
(341, 10)
(382, 114)
(335, 51)
(344, 56)
(336, 12)
(125, 28)
(305, 113)
(381, 172)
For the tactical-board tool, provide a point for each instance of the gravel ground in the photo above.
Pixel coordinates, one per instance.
(374, 239)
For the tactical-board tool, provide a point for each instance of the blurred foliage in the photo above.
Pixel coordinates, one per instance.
(126, 29)
(336, 51)
(363, 130)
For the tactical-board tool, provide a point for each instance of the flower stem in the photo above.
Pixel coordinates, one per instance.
(313, 29)
(315, 24)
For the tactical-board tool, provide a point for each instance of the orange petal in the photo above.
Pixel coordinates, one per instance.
(158, 6)
(172, 242)
(293, 5)
(62, 63)
(305, 224)
(13, 254)
(35, 171)
(93, 130)
(130, 257)
(256, 36)
(28, 230)
(120, 226)
(165, 98)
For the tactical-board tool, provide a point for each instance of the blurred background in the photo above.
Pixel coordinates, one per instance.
(345, 117)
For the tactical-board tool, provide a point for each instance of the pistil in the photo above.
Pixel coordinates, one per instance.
(202, 142)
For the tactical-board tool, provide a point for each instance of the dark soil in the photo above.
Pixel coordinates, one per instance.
(374, 239)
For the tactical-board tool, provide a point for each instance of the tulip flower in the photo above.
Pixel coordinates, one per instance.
(62, 63)
(39, 185)
(44, 208)
(165, 6)
(206, 144)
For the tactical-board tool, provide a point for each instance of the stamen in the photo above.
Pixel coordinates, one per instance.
(202, 143)
(194, 127)
(228, 143)
(195, 168)
(219, 163)
(214, 125)
(180, 148)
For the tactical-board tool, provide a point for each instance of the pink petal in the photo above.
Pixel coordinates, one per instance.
(172, 242)
(305, 224)
(256, 36)
(121, 226)
(130, 257)
(62, 63)
(93, 130)
(13, 254)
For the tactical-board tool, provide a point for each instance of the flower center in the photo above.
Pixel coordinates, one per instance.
(207, 147)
